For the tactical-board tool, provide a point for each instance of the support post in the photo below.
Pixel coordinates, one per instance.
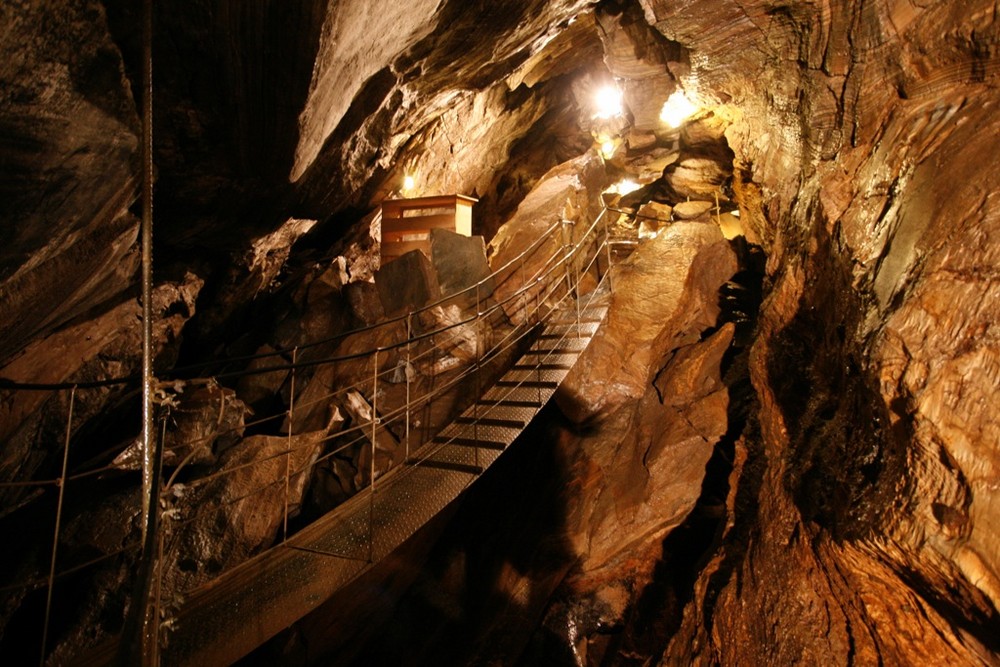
(479, 369)
(371, 464)
(55, 536)
(406, 373)
(140, 636)
(607, 246)
(291, 429)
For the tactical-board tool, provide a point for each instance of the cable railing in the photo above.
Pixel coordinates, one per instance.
(547, 276)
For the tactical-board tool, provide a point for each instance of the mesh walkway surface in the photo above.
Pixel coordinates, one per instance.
(230, 616)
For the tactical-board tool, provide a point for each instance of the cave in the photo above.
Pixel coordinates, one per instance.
(770, 232)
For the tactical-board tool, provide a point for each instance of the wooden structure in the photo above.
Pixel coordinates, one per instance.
(407, 223)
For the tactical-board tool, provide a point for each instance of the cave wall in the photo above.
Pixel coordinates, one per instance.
(861, 516)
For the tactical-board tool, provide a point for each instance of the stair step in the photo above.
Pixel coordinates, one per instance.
(532, 384)
(491, 421)
(519, 393)
(450, 465)
(542, 367)
(553, 335)
(572, 321)
(507, 403)
(470, 442)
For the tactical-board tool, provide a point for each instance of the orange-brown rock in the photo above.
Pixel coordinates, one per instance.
(664, 296)
(557, 211)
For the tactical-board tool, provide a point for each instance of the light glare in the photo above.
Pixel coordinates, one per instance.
(623, 187)
(409, 183)
(608, 149)
(608, 102)
(627, 186)
(677, 109)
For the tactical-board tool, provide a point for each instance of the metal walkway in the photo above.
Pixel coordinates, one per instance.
(544, 299)
(232, 615)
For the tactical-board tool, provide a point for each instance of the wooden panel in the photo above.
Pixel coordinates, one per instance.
(392, 205)
(419, 224)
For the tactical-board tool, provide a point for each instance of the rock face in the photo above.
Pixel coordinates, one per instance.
(556, 212)
(664, 296)
(815, 483)
(68, 136)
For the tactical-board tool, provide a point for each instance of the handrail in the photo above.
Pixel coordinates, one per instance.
(176, 373)
(545, 271)
(561, 259)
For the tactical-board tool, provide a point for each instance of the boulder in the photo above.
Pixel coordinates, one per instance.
(407, 283)
(460, 262)
(238, 512)
(692, 210)
(201, 424)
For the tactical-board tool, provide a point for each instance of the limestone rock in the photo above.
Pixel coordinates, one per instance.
(407, 283)
(106, 347)
(460, 262)
(665, 294)
(364, 301)
(646, 468)
(201, 424)
(696, 176)
(691, 210)
(570, 193)
(257, 388)
(238, 513)
(69, 171)
(642, 59)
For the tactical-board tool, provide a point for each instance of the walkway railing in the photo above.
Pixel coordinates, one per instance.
(548, 278)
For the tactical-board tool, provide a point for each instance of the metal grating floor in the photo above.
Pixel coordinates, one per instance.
(230, 616)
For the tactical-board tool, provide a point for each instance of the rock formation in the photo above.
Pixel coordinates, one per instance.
(781, 447)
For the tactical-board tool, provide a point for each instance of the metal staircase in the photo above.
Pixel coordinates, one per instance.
(240, 610)
(223, 620)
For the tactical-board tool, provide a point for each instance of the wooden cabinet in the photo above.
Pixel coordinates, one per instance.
(407, 223)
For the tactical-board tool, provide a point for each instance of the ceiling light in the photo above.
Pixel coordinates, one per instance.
(623, 187)
(627, 186)
(677, 109)
(409, 183)
(608, 102)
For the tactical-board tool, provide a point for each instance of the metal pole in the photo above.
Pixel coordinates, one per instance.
(291, 429)
(55, 537)
(146, 241)
(371, 466)
(479, 370)
(374, 418)
(406, 372)
(142, 625)
(607, 246)
(527, 296)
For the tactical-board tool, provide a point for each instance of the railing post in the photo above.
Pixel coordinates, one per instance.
(55, 536)
(524, 284)
(479, 369)
(607, 246)
(406, 373)
(371, 464)
(288, 453)
(567, 253)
